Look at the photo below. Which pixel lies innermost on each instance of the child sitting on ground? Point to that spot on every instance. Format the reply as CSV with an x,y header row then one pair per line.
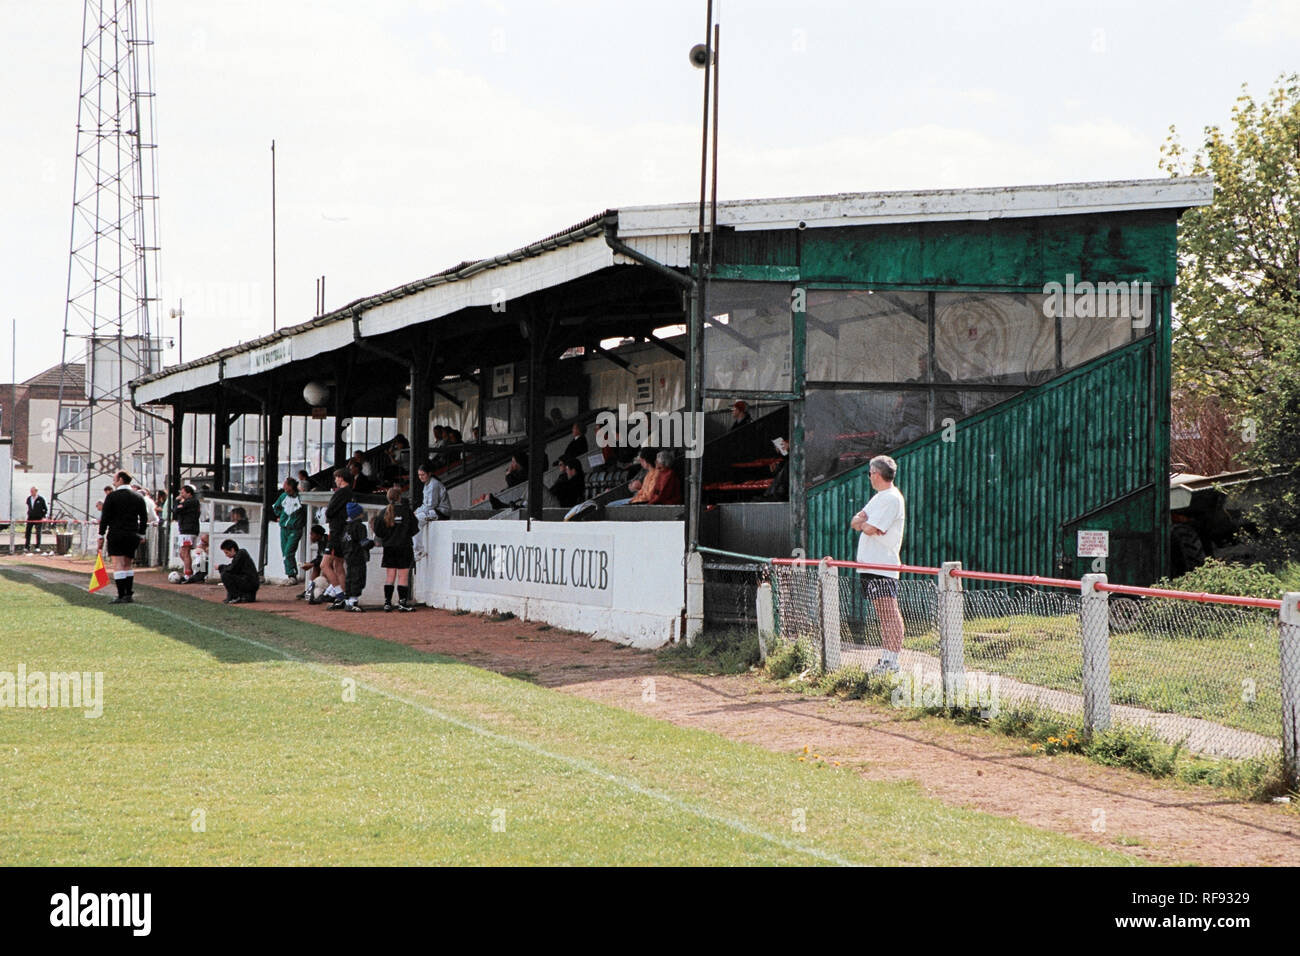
x,y
311,569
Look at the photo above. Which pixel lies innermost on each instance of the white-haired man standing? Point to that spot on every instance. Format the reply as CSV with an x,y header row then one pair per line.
x,y
881,525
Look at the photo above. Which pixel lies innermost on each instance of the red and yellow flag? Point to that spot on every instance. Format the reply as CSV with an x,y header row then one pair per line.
x,y
98,577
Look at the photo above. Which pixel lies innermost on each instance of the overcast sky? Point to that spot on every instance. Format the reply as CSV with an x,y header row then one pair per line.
x,y
413,134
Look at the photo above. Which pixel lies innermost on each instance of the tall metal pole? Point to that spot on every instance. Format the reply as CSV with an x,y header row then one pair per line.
x,y
274,300
13,435
713,202
704,148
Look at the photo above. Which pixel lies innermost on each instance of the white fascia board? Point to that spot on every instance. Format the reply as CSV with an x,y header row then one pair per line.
x,y
186,380
500,285
921,205
514,279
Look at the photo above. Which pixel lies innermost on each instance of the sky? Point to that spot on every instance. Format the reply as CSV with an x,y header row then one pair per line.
x,y
415,134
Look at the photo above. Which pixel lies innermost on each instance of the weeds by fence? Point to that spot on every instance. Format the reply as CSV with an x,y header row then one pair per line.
x,y
1216,675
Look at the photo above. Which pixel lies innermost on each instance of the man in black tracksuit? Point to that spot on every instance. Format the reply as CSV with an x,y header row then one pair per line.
x,y
239,576
123,522
355,545
336,517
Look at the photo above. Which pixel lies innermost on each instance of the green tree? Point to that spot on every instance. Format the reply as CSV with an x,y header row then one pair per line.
x,y
1236,337
1238,297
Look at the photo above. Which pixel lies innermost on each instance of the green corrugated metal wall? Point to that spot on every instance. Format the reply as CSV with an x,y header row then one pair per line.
x,y
1089,449
1002,495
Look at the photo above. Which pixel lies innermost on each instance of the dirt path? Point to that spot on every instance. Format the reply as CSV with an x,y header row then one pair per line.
x,y
1159,821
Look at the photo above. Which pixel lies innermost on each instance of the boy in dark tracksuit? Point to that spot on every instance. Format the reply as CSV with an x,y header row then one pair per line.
x,y
355,548
239,576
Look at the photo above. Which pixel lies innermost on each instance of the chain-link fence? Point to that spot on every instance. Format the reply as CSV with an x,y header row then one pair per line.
x,y
731,594
1203,673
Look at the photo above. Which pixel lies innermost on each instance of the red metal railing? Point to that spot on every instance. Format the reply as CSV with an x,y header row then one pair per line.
x,y
1203,597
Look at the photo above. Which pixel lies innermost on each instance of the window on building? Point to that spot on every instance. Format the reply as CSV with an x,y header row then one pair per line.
x,y
747,337
74,418
146,467
71,463
993,338
855,335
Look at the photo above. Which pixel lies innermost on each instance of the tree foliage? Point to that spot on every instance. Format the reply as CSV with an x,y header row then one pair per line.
x,y
1238,296
1237,305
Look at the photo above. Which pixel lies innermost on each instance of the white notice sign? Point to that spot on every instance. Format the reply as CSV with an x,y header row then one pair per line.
x,y
1094,544
271,356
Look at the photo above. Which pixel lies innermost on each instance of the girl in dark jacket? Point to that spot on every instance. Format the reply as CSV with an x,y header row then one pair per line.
x,y
395,530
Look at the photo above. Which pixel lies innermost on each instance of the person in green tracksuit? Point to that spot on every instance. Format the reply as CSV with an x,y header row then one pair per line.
x,y
292,516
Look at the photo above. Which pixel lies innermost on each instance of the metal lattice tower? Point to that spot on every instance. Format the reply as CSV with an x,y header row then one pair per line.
x,y
113,274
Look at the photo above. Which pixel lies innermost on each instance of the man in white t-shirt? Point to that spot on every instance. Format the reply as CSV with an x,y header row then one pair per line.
x,y
881,525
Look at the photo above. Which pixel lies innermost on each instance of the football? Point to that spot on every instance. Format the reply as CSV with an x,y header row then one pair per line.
x,y
174,577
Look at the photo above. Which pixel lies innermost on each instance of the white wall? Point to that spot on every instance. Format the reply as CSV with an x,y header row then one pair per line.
x,y
6,488
621,581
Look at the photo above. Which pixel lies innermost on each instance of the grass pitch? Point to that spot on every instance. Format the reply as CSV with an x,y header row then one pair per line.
x,y
235,737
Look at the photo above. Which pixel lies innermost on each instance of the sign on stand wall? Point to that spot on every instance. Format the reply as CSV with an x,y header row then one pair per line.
x,y
619,580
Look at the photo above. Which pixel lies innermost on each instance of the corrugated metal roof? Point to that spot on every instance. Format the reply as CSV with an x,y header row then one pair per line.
x,y
918,205
591,226
812,211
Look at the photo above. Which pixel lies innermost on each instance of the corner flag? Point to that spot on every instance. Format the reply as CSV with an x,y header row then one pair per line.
x,y
98,577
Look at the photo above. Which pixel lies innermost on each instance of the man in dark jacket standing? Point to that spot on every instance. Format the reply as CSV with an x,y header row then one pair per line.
x,y
187,528
36,512
239,576
355,547
336,517
123,522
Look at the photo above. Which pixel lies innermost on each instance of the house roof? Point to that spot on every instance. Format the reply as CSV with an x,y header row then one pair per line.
x,y
71,375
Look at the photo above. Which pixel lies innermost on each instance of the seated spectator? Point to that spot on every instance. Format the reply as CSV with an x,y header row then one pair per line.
x,y
399,460
646,458
571,487
667,486
650,459
312,569
304,481
362,484
740,415
517,470
239,576
577,446
780,486
240,518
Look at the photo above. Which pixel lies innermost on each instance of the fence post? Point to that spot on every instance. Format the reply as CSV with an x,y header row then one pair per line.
x,y
1094,632
952,653
1289,638
694,597
765,615
828,586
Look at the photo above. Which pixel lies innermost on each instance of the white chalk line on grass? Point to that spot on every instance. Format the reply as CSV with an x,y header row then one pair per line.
x,y
575,762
